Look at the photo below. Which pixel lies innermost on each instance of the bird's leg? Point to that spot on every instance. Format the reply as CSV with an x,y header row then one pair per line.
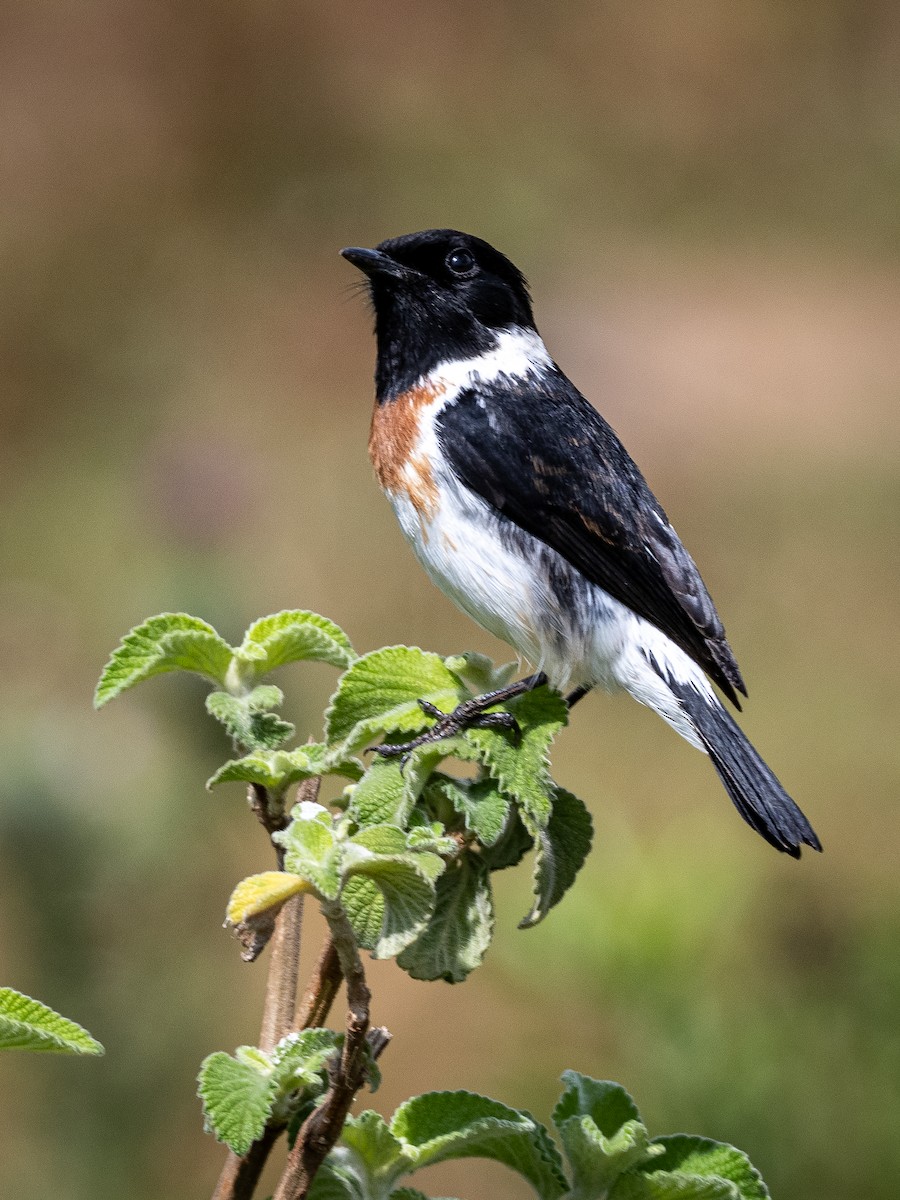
x,y
470,714
578,694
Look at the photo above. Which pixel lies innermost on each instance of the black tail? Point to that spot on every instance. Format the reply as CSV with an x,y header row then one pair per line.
x,y
754,790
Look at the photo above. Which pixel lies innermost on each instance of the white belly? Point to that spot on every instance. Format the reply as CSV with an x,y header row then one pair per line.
x,y
526,594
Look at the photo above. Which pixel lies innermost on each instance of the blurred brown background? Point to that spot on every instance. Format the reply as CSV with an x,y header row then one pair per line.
x,y
705,198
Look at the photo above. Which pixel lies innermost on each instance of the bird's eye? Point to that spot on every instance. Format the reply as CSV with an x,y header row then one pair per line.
x,y
461,261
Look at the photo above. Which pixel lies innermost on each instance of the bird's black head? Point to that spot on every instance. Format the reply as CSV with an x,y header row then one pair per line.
x,y
439,295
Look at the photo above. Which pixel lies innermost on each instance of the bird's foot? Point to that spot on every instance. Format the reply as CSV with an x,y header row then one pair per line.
x,y
468,715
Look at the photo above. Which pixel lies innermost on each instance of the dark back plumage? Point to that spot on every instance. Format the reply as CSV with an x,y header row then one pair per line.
x,y
560,472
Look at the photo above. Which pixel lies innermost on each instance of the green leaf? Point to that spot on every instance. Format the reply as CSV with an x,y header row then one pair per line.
x,y
370,1138
607,1104
311,849
389,892
389,841
693,1168
279,769
421,764
459,931
381,796
248,720
378,839
601,1132
387,907
521,768
442,1125
561,849
300,1059
372,1155
445,797
238,1094
635,1186
364,1165
334,1181
429,835
379,695
390,789
292,636
485,809
26,1024
513,844
478,672
169,642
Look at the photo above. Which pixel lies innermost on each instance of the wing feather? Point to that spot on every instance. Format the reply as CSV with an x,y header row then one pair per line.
x,y
539,453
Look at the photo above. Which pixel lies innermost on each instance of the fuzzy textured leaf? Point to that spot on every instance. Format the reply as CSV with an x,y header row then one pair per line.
x,y
238,1094
459,931
693,1168
441,1125
513,844
389,891
485,808
601,1132
379,695
277,770
479,673
607,1104
415,849
292,636
597,1119
597,1161
522,770
369,1136
429,835
168,642
675,1186
381,796
26,1024
299,1059
336,1181
561,849
387,911
259,893
247,719
311,849
390,789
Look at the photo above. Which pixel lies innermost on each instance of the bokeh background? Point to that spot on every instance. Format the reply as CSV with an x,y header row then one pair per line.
x,y
705,198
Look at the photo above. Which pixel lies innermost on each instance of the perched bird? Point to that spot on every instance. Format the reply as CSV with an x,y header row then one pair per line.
x,y
524,507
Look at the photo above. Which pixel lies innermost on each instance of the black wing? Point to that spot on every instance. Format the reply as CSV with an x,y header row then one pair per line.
x,y
537,452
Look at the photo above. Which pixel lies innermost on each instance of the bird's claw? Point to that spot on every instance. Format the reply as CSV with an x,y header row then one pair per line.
x,y
499,720
467,715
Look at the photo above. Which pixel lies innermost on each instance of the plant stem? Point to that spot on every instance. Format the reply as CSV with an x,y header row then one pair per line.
x,y
269,815
240,1173
322,1128
322,990
284,968
284,965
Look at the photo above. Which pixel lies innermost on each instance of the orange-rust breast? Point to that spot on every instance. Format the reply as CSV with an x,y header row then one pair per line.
x,y
392,440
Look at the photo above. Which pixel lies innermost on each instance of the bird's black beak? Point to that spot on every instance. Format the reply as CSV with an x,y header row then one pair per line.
x,y
374,262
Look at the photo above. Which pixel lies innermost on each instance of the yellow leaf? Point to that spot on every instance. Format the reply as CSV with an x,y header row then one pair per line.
x,y
258,893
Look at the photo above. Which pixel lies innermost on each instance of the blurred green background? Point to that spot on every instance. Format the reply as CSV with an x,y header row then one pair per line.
x,y
705,198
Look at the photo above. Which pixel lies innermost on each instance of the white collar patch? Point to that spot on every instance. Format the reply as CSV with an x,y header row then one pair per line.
x,y
517,353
